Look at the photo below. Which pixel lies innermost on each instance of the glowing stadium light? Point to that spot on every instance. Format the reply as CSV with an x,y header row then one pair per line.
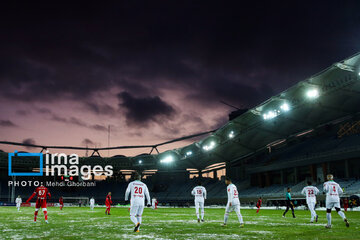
x,y
231,134
167,159
312,93
285,107
209,146
140,161
271,114
188,153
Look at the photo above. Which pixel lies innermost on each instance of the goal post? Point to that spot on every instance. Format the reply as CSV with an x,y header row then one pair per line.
x,y
76,200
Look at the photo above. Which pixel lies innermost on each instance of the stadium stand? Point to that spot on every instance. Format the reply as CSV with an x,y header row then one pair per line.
x,y
301,134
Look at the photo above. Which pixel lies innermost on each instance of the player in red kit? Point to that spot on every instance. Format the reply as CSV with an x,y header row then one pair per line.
x,y
61,202
108,203
258,204
41,192
346,204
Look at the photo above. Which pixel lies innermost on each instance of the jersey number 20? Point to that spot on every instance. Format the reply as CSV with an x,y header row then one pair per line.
x,y
138,190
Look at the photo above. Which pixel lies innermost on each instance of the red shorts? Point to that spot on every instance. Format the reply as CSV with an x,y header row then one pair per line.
x,y
40,203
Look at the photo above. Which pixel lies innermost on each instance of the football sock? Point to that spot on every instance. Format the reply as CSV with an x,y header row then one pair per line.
x,y
133,219
240,217
45,214
328,217
35,215
226,216
342,215
139,218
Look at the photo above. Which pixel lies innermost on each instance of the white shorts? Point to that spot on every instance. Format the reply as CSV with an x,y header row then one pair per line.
x,y
231,208
18,205
92,205
136,210
330,205
199,204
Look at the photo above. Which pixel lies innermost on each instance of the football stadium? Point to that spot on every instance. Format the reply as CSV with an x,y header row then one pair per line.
x,y
180,120
301,134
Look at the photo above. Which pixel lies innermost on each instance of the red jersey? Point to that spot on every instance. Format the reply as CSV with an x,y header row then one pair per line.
x,y
108,200
61,201
41,192
346,202
259,203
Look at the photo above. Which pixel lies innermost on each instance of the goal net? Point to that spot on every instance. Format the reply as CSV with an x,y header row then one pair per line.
x,y
83,201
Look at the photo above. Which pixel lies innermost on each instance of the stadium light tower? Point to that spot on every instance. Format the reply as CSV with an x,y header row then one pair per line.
x,y
188,153
312,93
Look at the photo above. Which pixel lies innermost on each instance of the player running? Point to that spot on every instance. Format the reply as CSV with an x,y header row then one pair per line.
x,y
92,203
154,203
108,203
18,202
41,192
289,203
310,192
332,191
61,202
233,203
200,195
138,191
258,204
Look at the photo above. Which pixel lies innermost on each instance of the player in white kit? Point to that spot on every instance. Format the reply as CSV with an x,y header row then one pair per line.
x,y
200,195
233,203
153,203
332,191
310,192
92,203
138,191
18,202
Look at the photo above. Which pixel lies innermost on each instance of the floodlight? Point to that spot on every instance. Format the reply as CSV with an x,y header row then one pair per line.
x,y
140,161
271,114
209,146
312,93
231,134
285,107
167,159
188,153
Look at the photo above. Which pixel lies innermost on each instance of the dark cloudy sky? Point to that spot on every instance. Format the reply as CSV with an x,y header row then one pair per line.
x,y
156,70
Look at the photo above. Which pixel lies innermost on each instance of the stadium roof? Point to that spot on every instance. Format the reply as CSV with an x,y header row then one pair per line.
x,y
327,97
324,98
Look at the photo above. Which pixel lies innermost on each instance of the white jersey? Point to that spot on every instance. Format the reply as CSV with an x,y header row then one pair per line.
x,y
138,191
332,190
153,201
92,201
310,192
18,201
200,193
233,195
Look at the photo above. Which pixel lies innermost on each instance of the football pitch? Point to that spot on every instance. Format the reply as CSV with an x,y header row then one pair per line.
x,y
171,223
